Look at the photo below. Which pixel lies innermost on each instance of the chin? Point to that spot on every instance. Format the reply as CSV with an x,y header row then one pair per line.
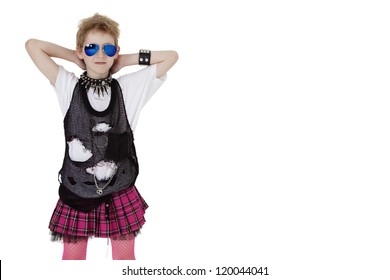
x,y
100,72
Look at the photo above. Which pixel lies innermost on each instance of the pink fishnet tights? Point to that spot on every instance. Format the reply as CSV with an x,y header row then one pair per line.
x,y
75,249
122,248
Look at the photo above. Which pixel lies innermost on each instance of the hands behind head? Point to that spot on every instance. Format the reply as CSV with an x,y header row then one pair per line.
x,y
117,65
81,64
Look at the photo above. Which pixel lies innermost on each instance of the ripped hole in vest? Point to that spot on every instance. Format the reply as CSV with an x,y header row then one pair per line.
x,y
101,127
112,181
77,151
71,180
103,170
89,183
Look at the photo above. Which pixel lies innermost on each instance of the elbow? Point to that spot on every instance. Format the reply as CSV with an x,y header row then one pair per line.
x,y
172,58
29,43
175,56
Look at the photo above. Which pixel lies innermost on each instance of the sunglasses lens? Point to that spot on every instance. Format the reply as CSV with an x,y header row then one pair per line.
x,y
109,50
91,49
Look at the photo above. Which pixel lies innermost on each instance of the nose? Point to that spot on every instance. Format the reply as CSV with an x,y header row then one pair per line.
x,y
100,53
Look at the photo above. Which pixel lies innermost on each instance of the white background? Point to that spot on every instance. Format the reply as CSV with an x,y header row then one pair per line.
x,y
268,145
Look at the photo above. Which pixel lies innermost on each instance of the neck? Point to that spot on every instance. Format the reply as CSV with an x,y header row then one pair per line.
x,y
94,75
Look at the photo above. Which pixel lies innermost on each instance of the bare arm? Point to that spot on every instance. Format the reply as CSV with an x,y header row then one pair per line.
x,y
164,60
41,53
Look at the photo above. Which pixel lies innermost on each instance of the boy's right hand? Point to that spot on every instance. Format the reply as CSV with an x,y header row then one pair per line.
x,y
80,63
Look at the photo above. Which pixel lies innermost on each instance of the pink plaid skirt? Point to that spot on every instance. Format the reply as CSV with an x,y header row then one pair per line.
x,y
122,215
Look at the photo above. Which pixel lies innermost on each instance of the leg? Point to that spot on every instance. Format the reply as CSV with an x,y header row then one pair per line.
x,y
75,248
123,247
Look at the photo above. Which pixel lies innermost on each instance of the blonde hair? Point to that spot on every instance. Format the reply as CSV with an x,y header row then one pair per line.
x,y
96,22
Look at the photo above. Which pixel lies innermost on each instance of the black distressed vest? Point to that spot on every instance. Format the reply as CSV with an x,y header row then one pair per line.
x,y
104,137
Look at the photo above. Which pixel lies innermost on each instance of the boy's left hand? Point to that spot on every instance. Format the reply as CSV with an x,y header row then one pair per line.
x,y
117,65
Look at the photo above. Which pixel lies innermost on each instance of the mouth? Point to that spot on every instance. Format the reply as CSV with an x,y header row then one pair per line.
x,y
100,63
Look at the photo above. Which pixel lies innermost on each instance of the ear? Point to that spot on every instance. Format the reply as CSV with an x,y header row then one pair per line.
x,y
79,53
117,52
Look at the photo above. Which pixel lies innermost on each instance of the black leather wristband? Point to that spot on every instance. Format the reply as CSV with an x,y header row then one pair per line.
x,y
144,57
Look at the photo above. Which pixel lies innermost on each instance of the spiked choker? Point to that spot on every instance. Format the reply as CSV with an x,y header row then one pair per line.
x,y
99,85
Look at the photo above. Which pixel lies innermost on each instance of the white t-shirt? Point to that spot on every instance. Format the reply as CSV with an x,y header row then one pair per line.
x,y
137,88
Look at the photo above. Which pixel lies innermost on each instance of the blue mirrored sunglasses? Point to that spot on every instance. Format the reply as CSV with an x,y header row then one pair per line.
x,y
92,49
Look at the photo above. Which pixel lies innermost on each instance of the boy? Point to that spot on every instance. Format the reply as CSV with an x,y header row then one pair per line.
x,y
97,193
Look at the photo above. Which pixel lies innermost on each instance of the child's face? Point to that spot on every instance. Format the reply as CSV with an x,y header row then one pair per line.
x,y
99,64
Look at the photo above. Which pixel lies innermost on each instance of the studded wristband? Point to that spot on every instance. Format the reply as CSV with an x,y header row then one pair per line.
x,y
144,57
